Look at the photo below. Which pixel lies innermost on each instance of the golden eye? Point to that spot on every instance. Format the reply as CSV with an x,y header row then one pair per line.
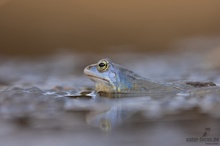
x,y
102,65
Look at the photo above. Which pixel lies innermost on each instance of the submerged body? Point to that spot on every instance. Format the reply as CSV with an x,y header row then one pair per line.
x,y
111,77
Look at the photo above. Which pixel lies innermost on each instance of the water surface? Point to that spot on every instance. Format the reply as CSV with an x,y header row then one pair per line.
x,y
49,101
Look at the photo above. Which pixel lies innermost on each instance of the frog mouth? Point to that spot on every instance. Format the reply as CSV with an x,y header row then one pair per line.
x,y
92,77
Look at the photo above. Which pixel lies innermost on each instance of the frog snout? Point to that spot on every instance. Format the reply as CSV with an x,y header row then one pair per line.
x,y
87,69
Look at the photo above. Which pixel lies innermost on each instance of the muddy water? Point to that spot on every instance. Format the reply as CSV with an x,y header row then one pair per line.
x,y
49,101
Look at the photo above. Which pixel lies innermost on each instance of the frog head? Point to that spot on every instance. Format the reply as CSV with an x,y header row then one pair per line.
x,y
109,76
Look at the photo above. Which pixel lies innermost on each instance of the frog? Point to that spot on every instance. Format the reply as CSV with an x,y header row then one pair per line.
x,y
111,77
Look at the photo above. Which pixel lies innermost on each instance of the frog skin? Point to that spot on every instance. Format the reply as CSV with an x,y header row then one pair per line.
x,y
111,77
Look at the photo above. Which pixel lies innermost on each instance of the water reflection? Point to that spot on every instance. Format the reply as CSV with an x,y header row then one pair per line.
x,y
104,112
107,113
108,118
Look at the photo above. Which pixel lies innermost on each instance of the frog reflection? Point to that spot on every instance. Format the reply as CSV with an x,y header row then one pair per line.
x,y
109,118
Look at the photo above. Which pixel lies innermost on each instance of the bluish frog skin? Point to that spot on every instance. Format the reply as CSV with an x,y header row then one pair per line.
x,y
111,77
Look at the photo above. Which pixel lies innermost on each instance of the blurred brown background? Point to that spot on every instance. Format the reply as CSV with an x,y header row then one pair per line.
x,y
36,27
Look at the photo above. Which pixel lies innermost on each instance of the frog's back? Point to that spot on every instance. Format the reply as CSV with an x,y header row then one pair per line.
x,y
146,86
131,82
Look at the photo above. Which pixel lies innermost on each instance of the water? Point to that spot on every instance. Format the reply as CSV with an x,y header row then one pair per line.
x,y
50,102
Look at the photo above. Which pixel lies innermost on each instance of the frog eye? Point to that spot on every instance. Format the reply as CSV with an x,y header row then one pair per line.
x,y
102,66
